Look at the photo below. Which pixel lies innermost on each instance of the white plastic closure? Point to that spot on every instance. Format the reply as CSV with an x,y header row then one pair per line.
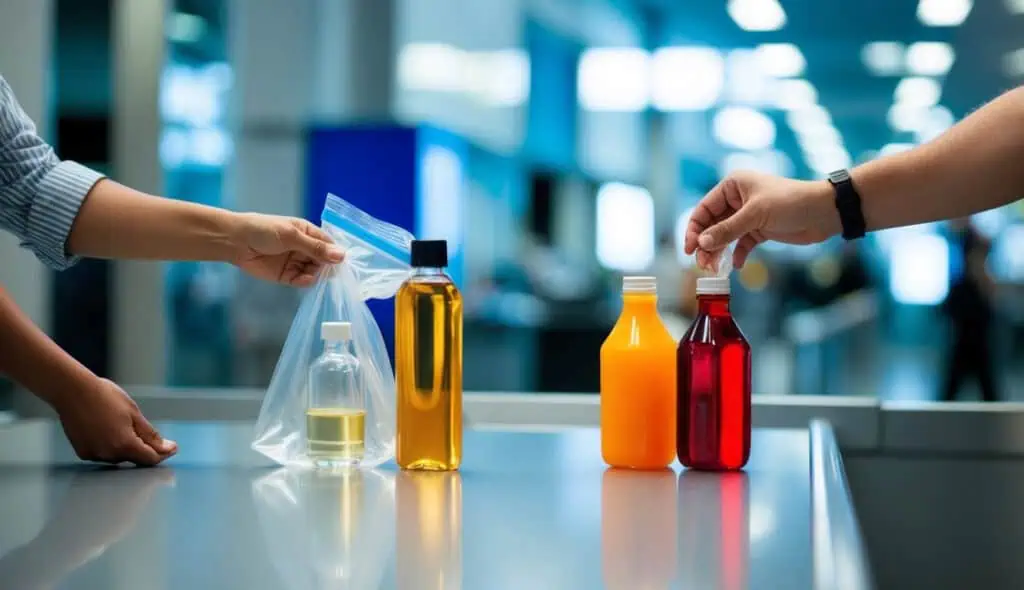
x,y
717,285
639,285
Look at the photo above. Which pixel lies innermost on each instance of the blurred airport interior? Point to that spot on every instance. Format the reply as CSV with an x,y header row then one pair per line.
x,y
557,145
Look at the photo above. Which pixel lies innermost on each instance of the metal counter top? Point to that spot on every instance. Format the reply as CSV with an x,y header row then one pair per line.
x,y
528,510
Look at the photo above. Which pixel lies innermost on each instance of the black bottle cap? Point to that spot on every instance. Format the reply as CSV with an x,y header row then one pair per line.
x,y
429,253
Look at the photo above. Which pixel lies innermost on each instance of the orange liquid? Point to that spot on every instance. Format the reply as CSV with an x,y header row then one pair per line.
x,y
638,388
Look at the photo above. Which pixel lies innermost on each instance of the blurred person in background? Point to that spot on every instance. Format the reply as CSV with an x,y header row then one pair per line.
x,y
61,210
970,310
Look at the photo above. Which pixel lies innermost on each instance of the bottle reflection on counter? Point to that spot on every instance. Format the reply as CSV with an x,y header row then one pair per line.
x,y
638,529
429,530
336,499
714,529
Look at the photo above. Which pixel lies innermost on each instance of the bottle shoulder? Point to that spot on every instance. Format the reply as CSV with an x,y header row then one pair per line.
x,y
332,361
639,331
718,330
414,287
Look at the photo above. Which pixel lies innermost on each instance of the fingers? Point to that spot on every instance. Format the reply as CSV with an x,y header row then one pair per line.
x,y
140,453
151,437
730,229
744,247
313,242
710,207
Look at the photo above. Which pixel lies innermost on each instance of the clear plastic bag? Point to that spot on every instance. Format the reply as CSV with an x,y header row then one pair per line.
x,y
376,264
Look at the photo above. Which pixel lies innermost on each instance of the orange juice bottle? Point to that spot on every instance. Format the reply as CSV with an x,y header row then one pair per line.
x,y
638,383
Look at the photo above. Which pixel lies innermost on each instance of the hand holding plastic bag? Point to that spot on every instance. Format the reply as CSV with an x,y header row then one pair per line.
x,y
375,265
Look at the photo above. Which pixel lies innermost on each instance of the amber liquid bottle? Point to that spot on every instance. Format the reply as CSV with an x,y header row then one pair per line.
x,y
428,363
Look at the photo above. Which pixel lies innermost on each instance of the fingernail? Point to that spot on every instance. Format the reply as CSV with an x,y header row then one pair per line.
x,y
169,445
334,254
705,241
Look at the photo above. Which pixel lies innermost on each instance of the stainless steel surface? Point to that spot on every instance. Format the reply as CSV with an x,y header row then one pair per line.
x,y
529,510
839,554
978,428
855,419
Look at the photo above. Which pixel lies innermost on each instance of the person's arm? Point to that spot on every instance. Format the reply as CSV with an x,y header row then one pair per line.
x,y
30,358
39,195
118,222
100,420
975,166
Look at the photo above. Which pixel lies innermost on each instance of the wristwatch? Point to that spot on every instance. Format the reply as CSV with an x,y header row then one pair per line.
x,y
848,203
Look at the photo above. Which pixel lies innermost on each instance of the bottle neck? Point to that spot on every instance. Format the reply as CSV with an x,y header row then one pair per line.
x,y
713,305
639,302
336,346
428,271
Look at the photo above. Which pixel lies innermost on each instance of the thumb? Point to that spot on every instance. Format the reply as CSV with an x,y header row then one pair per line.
x,y
729,230
151,437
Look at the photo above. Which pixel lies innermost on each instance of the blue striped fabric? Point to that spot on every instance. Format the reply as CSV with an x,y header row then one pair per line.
x,y
39,195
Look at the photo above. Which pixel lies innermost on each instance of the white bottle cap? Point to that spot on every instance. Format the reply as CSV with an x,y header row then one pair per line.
x,y
713,286
639,285
336,331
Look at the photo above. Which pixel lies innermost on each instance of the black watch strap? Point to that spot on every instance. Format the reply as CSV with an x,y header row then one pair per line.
x,y
851,216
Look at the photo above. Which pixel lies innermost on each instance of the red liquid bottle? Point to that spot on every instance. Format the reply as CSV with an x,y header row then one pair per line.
x,y
713,374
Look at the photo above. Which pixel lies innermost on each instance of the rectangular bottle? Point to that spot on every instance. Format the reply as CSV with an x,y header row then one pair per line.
x,y
713,385
428,363
638,383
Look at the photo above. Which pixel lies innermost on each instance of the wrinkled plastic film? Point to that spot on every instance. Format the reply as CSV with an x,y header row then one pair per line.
x,y
375,266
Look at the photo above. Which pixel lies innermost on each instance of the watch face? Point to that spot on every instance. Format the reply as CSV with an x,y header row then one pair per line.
x,y
839,176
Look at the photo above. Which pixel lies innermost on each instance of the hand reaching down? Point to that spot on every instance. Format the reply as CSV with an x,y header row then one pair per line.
x,y
104,424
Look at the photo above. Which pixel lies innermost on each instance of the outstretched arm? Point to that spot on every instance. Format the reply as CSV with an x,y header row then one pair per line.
x,y
975,166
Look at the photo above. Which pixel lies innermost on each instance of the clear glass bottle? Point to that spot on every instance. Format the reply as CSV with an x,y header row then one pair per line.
x,y
428,363
336,412
713,430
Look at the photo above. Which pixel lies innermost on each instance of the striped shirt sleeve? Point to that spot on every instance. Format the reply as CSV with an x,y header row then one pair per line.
x,y
39,195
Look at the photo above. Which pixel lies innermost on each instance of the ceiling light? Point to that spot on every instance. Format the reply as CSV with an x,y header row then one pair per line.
x,y
794,94
1015,6
613,79
895,148
743,128
431,67
933,123
883,58
771,162
928,58
781,60
686,78
815,137
625,227
183,27
824,161
1013,63
812,117
906,117
757,15
745,81
918,92
943,13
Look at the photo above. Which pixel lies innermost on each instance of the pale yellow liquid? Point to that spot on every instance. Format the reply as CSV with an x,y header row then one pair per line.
x,y
428,373
336,434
